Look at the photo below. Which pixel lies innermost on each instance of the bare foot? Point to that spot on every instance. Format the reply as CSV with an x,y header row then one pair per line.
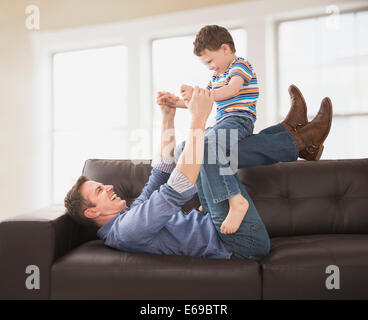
x,y
238,208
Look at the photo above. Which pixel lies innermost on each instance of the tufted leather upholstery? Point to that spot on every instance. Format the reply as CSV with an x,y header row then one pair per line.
x,y
315,212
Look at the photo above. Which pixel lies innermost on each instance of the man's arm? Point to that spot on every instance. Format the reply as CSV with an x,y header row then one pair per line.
x,y
164,164
191,159
140,224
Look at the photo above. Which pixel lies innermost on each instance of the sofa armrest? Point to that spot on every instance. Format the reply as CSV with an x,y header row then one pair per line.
x,y
37,239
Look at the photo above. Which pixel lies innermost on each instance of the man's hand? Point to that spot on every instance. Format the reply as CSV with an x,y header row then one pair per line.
x,y
166,101
200,105
186,92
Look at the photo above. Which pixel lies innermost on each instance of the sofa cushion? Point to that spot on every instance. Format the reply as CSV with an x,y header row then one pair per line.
x,y
296,267
94,271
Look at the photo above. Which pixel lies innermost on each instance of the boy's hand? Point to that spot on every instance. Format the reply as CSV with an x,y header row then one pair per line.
x,y
166,98
186,92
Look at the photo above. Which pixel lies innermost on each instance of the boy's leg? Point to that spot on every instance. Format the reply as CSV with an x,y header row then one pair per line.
x,y
224,138
251,240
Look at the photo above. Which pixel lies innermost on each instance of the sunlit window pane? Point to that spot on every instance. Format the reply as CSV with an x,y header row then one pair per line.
x,y
326,57
90,111
174,63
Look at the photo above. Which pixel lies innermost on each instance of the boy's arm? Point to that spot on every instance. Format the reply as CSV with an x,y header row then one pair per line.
x,y
170,100
230,90
181,104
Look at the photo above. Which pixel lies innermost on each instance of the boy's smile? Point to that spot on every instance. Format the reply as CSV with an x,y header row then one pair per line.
x,y
218,60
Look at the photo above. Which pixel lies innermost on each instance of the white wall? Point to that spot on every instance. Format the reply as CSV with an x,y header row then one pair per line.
x,y
25,90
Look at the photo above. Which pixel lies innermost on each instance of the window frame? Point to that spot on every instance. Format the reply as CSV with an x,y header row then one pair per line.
x,y
277,58
55,131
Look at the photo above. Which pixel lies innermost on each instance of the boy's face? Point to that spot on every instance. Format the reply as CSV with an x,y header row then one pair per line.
x,y
218,60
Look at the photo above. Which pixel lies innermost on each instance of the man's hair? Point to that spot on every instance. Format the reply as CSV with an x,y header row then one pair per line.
x,y
211,38
75,204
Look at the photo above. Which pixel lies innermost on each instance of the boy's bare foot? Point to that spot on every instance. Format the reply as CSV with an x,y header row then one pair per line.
x,y
238,208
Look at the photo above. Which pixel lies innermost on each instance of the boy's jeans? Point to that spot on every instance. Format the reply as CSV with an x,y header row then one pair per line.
x,y
270,146
251,240
221,155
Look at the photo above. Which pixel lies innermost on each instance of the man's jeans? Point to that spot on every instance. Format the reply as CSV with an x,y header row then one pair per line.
x,y
270,146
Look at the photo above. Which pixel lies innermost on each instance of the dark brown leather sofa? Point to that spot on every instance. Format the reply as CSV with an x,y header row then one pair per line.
x,y
316,214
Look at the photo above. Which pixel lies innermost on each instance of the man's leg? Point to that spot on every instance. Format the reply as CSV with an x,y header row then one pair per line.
x,y
273,129
266,148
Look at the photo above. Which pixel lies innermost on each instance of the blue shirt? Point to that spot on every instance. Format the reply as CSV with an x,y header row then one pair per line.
x,y
155,223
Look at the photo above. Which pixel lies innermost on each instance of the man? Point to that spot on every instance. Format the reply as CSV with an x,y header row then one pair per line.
x,y
154,223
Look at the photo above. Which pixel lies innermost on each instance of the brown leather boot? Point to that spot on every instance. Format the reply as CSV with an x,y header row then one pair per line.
x,y
297,116
310,138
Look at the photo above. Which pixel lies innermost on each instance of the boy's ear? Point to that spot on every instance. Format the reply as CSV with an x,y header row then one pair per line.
x,y
226,48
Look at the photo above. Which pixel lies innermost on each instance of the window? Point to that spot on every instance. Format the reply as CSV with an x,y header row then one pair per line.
x,y
90,111
329,59
174,63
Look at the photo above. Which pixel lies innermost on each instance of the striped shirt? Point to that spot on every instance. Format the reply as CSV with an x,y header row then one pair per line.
x,y
244,102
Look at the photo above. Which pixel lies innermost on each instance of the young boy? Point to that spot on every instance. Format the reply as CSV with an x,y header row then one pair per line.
x,y
236,92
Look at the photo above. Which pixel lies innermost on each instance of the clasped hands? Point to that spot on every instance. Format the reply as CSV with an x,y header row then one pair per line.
x,y
170,100
193,98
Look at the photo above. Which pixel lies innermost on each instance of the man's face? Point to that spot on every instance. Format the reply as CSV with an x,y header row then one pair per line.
x,y
106,202
218,60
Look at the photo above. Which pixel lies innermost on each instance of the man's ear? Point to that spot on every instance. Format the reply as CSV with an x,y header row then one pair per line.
x,y
91,213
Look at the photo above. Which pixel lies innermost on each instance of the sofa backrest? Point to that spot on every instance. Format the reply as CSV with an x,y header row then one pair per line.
x,y
295,198
318,197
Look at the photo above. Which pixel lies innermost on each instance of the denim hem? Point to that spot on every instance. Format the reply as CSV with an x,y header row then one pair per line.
x,y
294,143
225,197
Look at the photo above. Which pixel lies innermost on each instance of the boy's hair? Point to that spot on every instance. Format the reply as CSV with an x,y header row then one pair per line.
x,y
211,38
75,204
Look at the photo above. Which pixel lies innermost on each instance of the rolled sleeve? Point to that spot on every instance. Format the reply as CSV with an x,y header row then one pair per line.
x,y
164,165
179,182
242,69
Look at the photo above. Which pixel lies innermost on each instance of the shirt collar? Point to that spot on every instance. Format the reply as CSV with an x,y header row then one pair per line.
x,y
103,231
